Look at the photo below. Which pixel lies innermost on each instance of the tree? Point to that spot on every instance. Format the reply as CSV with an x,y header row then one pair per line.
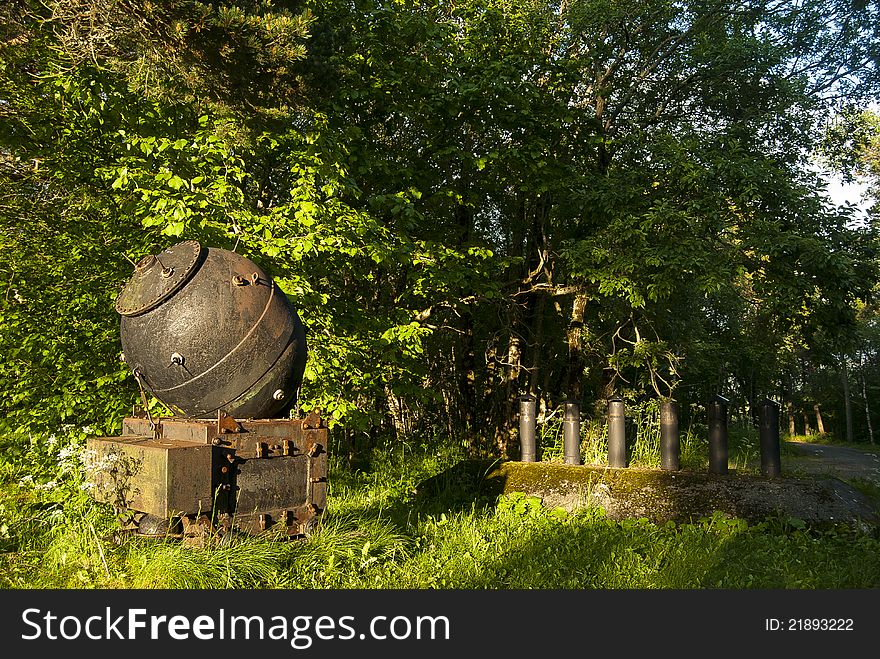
x,y
466,201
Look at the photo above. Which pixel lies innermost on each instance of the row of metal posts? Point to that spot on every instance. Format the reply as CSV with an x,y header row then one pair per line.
x,y
669,442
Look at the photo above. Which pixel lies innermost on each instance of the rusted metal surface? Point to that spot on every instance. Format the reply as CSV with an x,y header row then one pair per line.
x,y
769,438
527,424
267,475
718,451
670,446
313,420
159,527
211,335
226,423
571,437
271,485
616,433
155,476
223,337
157,278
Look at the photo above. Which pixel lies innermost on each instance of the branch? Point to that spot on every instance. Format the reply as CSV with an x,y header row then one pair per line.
x,y
549,289
424,314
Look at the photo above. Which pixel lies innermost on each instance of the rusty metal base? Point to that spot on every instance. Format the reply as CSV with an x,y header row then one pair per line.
x,y
217,475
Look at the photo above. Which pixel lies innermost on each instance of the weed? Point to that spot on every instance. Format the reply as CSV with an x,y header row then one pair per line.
x,y
423,519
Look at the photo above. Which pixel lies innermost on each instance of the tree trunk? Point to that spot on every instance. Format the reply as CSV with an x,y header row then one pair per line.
x,y
539,266
536,362
396,412
508,427
792,431
865,398
490,417
754,406
807,430
537,344
847,402
467,367
348,444
467,376
819,425
575,348
449,406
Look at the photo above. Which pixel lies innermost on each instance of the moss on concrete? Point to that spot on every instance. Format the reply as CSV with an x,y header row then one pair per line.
x,y
684,496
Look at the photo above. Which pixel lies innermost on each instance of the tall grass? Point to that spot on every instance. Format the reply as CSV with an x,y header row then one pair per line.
x,y
419,519
643,441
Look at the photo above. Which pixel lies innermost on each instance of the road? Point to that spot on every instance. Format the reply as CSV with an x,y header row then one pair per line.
x,y
841,461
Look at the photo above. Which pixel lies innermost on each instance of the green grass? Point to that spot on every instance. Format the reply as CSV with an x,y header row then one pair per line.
x,y
389,526
643,443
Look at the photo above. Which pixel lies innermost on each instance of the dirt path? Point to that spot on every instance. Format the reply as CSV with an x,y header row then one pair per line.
x,y
840,461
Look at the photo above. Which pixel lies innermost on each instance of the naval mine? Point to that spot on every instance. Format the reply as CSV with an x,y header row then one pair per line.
x,y
212,336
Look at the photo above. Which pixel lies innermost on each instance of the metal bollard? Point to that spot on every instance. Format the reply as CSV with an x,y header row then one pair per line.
x,y
527,427
717,412
616,433
670,449
572,432
770,461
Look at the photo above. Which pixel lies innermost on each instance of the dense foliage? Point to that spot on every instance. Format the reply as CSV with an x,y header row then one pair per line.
x,y
465,201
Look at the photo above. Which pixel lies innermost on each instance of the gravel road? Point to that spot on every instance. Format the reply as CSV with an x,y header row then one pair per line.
x,y
840,461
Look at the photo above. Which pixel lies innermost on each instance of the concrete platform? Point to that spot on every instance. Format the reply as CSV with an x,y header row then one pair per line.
x,y
684,496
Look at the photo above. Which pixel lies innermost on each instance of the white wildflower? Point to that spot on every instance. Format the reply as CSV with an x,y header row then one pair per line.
x,y
93,462
88,456
67,453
